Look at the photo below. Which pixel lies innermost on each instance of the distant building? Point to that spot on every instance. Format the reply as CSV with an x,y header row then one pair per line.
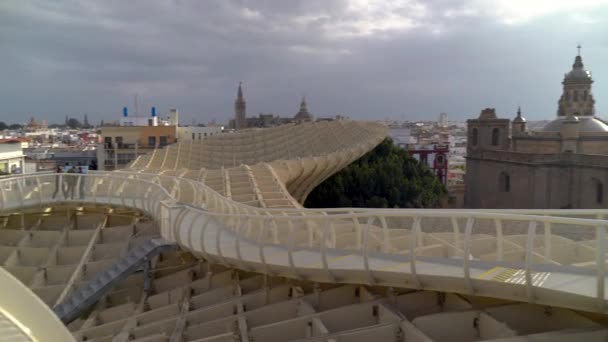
x,y
11,156
435,156
443,120
32,125
562,165
303,115
138,135
240,110
196,133
122,144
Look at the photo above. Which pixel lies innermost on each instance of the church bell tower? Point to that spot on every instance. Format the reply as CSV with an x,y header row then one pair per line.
x,y
577,99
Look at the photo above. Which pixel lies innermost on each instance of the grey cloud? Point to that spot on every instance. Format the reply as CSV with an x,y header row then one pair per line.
x,y
73,57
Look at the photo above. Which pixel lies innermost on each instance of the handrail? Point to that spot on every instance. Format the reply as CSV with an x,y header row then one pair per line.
x,y
209,214
203,186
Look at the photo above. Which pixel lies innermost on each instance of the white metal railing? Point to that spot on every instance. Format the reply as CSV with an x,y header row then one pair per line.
x,y
382,245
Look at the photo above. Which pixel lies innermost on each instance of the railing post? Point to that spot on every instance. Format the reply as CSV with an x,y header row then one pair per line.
x,y
547,239
218,244
386,245
261,244
290,247
237,242
39,186
365,249
77,189
357,230
109,193
165,220
323,247
456,232
178,223
600,262
499,239
528,260
3,196
311,233
95,187
467,253
413,241
20,188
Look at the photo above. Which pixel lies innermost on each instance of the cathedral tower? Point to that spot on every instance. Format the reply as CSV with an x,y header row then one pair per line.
x,y
303,114
240,110
577,98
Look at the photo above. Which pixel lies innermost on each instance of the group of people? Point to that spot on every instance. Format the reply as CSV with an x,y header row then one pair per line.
x,y
69,179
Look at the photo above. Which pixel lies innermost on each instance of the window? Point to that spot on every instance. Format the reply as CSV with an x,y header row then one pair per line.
x,y
199,136
205,134
440,159
474,136
107,141
495,136
163,140
585,94
151,141
423,159
193,136
118,142
504,182
575,95
599,191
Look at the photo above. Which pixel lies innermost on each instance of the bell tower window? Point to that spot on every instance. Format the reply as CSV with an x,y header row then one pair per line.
x,y
504,182
474,137
599,191
495,136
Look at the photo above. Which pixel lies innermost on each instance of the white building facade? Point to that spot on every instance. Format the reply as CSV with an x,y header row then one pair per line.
x,y
11,156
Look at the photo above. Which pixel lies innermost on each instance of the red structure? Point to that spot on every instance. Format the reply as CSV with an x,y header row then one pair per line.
x,y
435,156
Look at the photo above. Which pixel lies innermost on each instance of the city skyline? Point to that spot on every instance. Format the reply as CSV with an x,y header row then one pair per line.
x,y
364,59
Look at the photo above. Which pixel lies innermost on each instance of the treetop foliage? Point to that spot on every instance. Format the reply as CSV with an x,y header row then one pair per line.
x,y
386,177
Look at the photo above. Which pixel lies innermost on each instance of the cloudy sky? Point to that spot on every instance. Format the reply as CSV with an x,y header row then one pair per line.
x,y
368,59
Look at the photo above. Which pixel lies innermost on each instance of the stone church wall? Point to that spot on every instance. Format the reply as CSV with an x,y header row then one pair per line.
x,y
536,181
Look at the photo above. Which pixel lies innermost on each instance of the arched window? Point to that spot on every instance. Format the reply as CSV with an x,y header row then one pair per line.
x,y
504,182
585,94
474,136
567,96
599,191
495,136
575,95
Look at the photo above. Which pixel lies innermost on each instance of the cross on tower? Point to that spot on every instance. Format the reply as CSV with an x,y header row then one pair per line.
x,y
579,49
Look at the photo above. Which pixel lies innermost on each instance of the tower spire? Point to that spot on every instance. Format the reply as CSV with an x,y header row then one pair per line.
x,y
578,47
519,111
240,109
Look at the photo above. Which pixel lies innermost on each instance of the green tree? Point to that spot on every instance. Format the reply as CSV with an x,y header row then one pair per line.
x,y
3,126
386,177
15,126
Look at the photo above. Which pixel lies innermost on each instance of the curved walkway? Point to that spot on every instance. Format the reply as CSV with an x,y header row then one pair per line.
x,y
420,249
245,216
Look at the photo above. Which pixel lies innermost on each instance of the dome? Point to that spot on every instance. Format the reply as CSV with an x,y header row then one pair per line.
x,y
578,71
586,124
519,118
